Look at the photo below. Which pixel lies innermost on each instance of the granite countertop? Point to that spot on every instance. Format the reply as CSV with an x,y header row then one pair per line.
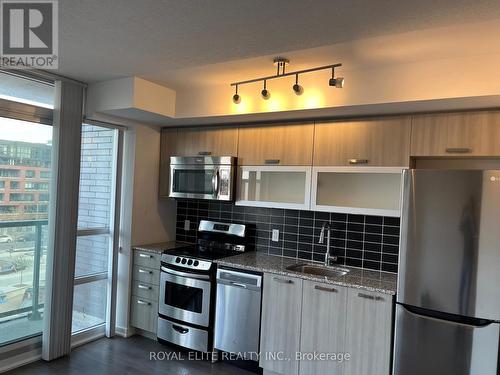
x,y
374,281
161,246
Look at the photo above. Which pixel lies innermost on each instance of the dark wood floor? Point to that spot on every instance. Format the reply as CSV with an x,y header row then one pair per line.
x,y
125,356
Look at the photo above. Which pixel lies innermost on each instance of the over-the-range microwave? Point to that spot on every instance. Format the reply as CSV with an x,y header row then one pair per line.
x,y
202,177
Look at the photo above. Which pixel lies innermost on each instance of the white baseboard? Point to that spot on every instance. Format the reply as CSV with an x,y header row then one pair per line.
x,y
84,337
124,332
20,360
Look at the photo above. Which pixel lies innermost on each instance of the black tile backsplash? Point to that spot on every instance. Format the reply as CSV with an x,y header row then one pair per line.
x,y
357,240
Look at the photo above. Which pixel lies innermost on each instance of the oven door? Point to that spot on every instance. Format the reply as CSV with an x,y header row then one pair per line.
x,y
185,296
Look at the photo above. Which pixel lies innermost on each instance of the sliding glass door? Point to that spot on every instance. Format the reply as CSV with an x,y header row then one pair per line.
x,y
96,242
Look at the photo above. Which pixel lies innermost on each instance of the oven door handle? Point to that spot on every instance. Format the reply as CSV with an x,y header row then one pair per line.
x,y
185,274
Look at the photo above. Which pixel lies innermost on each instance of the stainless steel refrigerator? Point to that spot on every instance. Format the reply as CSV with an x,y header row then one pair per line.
x,y
448,300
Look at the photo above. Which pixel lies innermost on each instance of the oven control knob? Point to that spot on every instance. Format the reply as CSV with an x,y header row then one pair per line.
x,y
190,261
183,261
177,260
195,263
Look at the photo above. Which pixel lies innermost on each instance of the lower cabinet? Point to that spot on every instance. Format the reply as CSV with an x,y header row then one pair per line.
x,y
145,290
280,326
350,328
323,327
368,333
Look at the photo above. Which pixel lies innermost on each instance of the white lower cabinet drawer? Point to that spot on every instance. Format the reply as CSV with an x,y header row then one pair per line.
x,y
146,275
144,314
147,259
145,290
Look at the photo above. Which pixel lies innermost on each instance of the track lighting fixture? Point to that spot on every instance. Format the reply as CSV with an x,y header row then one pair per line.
x,y
336,82
298,89
281,63
265,92
236,97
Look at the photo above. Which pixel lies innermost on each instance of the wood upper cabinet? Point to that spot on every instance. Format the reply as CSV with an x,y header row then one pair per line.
x,y
280,323
372,142
206,141
168,145
287,144
456,134
324,315
368,333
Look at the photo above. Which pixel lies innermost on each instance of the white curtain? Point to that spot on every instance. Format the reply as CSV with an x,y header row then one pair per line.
x,y
68,108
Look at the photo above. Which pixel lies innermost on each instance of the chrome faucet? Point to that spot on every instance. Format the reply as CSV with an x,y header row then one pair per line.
x,y
328,257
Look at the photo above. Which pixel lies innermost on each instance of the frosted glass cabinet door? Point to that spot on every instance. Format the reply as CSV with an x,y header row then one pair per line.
x,y
370,191
274,186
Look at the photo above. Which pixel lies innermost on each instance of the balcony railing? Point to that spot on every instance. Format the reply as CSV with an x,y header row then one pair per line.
x,y
24,243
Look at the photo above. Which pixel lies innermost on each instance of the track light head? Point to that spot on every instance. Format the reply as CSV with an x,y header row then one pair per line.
x,y
337,82
265,92
236,97
298,89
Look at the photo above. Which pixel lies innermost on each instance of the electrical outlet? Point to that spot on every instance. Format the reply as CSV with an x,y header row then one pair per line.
x,y
187,224
276,235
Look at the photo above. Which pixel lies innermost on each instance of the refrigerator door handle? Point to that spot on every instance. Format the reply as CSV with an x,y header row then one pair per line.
x,y
447,318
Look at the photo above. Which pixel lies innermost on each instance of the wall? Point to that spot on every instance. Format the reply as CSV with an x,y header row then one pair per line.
x,y
370,242
452,62
152,219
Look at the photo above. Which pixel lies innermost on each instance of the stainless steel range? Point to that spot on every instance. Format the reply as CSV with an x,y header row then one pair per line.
x,y
187,285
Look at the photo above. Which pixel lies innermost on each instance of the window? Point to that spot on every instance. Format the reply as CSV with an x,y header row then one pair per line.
x,y
1,196
29,174
9,172
36,186
22,197
44,174
95,242
43,197
24,228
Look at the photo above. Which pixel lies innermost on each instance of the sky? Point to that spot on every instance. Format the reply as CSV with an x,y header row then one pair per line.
x,y
15,130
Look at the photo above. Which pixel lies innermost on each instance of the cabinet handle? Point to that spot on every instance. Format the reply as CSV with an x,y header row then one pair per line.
x,y
145,271
325,289
205,153
272,161
358,161
458,150
368,296
284,281
141,255
141,302
140,286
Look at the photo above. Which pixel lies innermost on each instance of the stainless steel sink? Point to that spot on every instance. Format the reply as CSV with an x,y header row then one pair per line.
x,y
318,270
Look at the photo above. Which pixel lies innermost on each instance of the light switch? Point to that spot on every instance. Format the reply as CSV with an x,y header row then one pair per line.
x,y
187,224
276,235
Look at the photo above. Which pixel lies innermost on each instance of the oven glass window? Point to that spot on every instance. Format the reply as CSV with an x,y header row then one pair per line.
x,y
183,297
193,181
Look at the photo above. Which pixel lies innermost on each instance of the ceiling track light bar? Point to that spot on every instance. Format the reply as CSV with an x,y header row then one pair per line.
x,y
283,74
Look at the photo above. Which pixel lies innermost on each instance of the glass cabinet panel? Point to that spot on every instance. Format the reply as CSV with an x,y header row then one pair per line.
x,y
364,191
274,186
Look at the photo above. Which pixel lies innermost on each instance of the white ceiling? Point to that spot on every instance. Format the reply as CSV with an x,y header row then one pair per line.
x,y
157,40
